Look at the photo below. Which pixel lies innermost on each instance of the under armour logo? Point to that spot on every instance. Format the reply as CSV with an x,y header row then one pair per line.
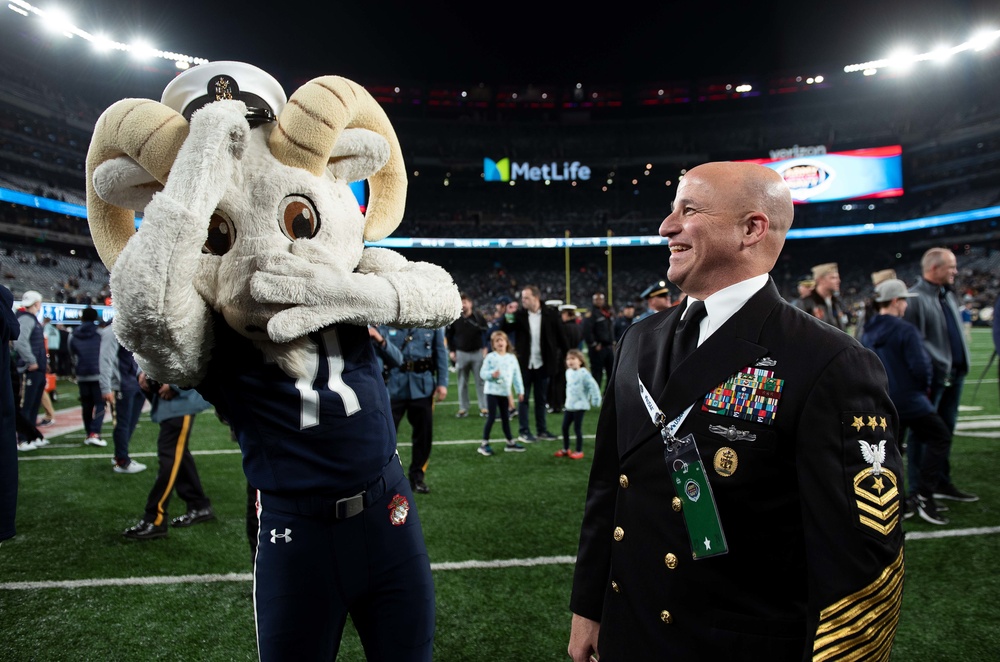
x,y
287,535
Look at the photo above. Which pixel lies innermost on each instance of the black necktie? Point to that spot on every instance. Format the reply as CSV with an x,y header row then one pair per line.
x,y
686,336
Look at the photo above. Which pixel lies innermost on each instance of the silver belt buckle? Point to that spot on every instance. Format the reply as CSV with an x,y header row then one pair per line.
x,y
350,506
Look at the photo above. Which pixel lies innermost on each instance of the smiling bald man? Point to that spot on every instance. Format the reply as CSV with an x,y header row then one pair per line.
x,y
743,501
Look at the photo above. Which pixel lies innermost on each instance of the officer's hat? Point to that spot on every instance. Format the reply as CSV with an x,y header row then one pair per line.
x,y
216,81
657,289
806,281
821,270
883,275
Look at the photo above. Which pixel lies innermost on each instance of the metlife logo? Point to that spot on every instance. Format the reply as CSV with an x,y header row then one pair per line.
x,y
505,171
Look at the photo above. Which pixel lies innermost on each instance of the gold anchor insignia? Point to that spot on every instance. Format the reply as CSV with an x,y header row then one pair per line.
x,y
872,423
223,89
882,423
726,461
858,423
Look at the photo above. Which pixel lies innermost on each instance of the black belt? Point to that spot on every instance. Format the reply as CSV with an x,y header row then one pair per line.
x,y
419,365
339,508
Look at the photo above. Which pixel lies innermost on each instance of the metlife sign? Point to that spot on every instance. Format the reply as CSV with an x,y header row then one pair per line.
x,y
505,171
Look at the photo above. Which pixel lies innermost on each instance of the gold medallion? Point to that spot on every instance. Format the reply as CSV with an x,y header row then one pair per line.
x,y
725,461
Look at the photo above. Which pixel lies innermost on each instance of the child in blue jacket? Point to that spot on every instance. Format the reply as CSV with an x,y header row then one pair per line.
x,y
500,373
582,393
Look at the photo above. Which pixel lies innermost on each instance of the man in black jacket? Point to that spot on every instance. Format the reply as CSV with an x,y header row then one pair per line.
x,y
744,499
467,345
540,344
599,332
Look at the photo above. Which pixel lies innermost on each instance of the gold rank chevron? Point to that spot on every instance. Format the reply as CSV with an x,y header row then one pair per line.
x,y
862,625
878,506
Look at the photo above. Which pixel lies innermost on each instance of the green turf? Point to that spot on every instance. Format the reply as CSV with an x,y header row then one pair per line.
x,y
510,506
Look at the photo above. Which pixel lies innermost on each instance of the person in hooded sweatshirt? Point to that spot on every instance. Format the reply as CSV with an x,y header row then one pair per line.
x,y
899,346
85,350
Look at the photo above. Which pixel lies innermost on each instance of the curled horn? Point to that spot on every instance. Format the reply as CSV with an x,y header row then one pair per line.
x,y
309,126
148,132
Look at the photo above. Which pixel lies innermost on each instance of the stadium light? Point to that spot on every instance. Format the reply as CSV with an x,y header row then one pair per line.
x,y
984,39
941,53
903,59
142,50
57,21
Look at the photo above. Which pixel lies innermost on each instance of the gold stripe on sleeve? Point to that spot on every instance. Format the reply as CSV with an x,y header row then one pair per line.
x,y
862,626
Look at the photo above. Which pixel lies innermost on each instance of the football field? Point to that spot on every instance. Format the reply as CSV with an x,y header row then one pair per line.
x,y
501,531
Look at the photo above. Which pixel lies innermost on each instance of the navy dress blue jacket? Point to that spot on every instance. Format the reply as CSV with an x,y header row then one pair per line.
x,y
9,330
898,344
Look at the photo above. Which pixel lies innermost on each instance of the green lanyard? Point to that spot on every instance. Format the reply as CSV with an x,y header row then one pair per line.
x,y
687,472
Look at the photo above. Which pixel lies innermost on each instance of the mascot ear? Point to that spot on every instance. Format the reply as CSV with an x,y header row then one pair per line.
x,y
358,154
124,183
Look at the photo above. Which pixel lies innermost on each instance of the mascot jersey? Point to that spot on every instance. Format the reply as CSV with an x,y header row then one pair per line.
x,y
327,434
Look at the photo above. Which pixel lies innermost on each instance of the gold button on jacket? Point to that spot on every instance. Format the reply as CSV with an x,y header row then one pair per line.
x,y
619,533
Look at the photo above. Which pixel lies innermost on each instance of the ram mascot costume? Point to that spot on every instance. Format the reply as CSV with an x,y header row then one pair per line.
x,y
249,279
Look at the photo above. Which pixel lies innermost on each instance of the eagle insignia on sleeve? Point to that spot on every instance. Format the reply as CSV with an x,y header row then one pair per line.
x,y
875,486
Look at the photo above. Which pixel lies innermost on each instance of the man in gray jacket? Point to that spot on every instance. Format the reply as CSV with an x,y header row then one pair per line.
x,y
935,314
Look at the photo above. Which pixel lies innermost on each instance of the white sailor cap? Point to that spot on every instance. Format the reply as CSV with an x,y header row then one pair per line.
x,y
215,81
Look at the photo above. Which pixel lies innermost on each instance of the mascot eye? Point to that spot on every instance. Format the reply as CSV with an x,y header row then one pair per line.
x,y
298,217
221,234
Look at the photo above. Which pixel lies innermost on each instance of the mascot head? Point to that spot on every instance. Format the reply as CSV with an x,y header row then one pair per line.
x,y
291,183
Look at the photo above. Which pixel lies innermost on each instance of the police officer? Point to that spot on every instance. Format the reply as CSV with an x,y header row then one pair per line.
x,y
657,298
413,383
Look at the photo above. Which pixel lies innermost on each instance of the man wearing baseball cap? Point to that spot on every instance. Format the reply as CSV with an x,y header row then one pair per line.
x,y
901,349
31,363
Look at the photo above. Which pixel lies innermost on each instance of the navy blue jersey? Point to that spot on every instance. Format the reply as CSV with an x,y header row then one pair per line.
x,y
329,434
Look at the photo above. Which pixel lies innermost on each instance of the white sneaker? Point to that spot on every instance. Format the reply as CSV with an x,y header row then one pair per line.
x,y
26,446
40,442
94,440
133,467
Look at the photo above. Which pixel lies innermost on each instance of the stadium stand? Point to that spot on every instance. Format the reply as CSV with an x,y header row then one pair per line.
x,y
948,126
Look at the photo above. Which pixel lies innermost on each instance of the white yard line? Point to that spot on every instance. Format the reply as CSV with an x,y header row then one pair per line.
x,y
246,577
437,567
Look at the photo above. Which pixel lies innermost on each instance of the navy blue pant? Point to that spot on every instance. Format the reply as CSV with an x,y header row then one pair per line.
x,y
574,417
128,408
537,380
32,387
91,406
313,569
946,399
176,471
420,413
497,407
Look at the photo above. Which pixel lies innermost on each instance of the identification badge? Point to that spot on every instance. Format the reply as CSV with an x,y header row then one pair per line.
x,y
701,516
687,472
